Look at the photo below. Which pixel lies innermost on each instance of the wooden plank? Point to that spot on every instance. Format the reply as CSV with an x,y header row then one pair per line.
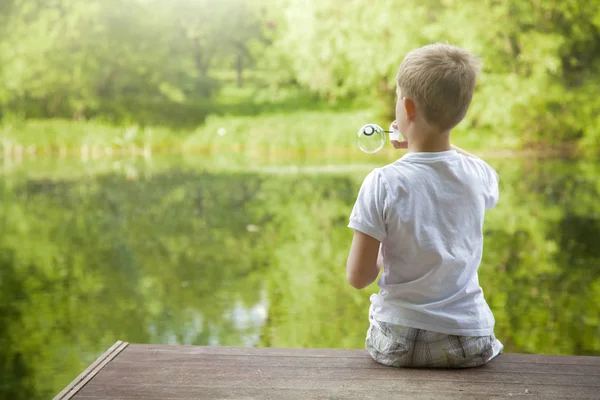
x,y
499,365
333,353
161,349
138,374
551,359
152,391
185,372
308,394
91,371
311,394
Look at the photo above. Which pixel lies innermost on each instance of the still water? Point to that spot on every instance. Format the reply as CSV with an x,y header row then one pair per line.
x,y
174,252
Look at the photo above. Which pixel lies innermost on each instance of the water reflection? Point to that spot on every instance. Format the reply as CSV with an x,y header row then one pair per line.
x,y
175,253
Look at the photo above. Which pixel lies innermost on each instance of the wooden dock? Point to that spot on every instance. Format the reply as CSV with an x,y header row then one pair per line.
x,y
135,371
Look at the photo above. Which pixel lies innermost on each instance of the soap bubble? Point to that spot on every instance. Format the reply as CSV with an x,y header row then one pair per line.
x,y
371,138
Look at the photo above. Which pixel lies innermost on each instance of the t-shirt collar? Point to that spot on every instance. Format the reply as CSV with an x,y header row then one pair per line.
x,y
430,156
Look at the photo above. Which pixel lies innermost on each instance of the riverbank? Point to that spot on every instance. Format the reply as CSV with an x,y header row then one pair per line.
x,y
299,132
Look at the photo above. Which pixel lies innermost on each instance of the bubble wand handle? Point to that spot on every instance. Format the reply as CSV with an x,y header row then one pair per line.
x,y
394,133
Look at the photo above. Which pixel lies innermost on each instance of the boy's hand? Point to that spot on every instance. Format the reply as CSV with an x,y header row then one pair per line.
x,y
398,144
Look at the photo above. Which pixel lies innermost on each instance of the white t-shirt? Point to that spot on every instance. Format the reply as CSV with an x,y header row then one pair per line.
x,y
427,210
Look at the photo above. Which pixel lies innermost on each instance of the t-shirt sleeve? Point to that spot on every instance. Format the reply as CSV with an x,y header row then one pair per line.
x,y
492,192
368,214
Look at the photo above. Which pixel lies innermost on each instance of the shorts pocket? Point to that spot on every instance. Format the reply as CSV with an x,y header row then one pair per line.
x,y
385,347
468,351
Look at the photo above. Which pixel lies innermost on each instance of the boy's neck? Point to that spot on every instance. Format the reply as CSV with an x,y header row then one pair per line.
x,y
430,143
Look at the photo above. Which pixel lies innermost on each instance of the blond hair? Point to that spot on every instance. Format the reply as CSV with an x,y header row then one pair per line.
x,y
440,78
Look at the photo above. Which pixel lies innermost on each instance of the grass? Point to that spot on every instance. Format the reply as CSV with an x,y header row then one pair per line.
x,y
304,132
295,131
49,136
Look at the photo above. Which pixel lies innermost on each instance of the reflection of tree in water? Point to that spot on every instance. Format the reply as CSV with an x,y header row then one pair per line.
x,y
195,257
310,303
550,257
14,369
578,238
160,260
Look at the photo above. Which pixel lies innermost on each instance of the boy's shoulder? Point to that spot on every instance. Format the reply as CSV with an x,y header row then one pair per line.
x,y
392,175
389,171
486,170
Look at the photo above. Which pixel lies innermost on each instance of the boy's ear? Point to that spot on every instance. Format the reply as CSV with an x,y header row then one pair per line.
x,y
410,107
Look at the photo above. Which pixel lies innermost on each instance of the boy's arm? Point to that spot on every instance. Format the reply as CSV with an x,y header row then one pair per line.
x,y
363,263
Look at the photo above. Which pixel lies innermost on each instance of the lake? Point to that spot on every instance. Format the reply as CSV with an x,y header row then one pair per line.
x,y
208,253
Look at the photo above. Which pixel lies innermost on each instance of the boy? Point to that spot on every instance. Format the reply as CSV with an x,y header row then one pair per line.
x,y
421,219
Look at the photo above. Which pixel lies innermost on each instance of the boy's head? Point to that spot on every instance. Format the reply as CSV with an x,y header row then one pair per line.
x,y
440,80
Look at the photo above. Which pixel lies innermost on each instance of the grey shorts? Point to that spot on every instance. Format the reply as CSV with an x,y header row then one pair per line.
x,y
401,346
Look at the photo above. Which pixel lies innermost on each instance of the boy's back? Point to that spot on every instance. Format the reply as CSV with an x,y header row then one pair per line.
x,y
427,209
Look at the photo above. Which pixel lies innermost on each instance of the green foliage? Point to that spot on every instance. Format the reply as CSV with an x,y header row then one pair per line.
x,y
146,62
153,62
541,59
